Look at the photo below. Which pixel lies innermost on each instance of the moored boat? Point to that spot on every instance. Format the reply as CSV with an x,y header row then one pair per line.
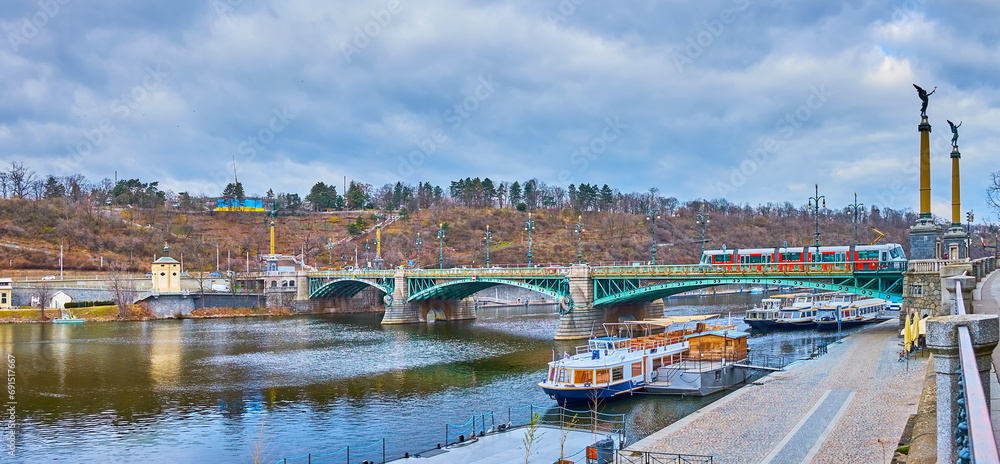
x,y
624,361
845,311
709,367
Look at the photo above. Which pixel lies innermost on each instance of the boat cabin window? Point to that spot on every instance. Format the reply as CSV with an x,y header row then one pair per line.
x,y
564,375
583,376
636,369
657,362
602,376
617,374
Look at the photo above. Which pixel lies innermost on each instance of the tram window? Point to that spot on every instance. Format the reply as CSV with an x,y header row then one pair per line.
x,y
602,376
617,374
583,376
636,369
787,257
829,257
894,252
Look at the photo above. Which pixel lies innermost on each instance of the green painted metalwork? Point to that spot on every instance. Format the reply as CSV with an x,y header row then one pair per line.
x,y
655,291
463,288
608,287
346,287
418,285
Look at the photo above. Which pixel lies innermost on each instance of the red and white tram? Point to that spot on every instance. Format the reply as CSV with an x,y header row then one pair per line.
x,y
857,258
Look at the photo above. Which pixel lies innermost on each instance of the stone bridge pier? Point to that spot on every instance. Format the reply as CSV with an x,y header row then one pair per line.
x,y
586,320
401,311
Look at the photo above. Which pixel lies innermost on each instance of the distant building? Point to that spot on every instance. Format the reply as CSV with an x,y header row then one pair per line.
x,y
223,204
59,300
166,275
5,302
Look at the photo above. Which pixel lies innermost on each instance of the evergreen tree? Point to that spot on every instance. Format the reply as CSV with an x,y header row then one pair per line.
x,y
515,193
53,189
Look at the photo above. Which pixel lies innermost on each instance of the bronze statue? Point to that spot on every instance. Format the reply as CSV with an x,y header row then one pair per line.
x,y
923,98
954,133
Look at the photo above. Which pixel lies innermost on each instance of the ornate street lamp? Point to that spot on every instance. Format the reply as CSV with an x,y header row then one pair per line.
x,y
702,220
441,246
651,216
857,212
487,236
814,204
529,226
418,250
579,239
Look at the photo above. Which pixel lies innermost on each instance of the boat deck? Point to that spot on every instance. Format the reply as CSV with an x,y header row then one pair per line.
x,y
508,446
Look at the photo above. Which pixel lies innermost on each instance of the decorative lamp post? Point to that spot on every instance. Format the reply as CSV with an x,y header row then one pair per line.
x,y
487,236
579,239
529,226
857,211
418,250
329,249
651,216
814,204
703,221
367,261
441,246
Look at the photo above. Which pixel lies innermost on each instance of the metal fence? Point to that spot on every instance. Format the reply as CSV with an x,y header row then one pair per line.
x,y
373,453
650,457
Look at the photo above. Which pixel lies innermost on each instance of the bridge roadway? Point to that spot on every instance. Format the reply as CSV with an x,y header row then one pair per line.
x,y
587,296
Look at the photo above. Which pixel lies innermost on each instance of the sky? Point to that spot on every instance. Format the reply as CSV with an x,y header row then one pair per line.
x,y
746,100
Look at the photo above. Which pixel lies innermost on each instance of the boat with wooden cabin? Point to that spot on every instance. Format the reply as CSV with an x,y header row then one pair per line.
x,y
710,365
852,312
625,360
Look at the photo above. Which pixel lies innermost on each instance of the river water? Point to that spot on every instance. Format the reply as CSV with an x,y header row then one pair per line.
x,y
219,390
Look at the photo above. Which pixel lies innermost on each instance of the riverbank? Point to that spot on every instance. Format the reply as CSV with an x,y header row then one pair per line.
x,y
850,405
135,313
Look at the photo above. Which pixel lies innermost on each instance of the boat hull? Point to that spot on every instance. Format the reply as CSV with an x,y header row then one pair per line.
x,y
759,324
797,325
588,394
832,325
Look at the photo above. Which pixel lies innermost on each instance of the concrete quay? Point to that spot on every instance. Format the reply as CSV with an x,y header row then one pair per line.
x,y
850,405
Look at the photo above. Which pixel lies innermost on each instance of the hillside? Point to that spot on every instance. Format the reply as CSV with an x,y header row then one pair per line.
x,y
31,232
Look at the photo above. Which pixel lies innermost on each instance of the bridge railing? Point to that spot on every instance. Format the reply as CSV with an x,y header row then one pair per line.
x,y
961,343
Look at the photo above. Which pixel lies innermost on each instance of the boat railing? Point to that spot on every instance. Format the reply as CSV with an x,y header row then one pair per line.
x,y
587,420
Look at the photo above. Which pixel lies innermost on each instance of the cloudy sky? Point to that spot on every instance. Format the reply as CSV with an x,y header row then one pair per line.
x,y
748,100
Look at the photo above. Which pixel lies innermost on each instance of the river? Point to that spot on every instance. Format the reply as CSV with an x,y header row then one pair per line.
x,y
218,390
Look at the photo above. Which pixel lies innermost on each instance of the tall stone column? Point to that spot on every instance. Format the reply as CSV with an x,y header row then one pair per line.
x,y
956,240
397,309
942,339
584,319
924,235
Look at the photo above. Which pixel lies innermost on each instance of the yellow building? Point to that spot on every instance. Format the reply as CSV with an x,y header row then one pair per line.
x,y
5,301
166,275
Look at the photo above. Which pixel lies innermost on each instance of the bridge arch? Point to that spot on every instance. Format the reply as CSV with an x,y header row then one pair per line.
x,y
662,290
346,288
464,288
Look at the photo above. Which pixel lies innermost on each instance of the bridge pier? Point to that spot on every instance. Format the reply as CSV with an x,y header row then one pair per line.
x,y
398,310
454,310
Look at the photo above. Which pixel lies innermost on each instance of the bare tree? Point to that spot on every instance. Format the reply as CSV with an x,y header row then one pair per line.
x,y
993,192
43,292
123,291
20,178
4,183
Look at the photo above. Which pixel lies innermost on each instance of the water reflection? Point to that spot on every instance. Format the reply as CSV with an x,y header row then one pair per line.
x,y
195,390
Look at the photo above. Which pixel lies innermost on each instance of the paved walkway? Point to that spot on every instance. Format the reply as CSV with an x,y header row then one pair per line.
x,y
850,405
990,291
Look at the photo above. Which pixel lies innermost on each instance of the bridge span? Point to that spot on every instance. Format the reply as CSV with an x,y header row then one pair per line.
x,y
587,296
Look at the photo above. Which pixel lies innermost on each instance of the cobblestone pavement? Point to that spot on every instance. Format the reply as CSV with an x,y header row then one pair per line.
x,y
848,406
